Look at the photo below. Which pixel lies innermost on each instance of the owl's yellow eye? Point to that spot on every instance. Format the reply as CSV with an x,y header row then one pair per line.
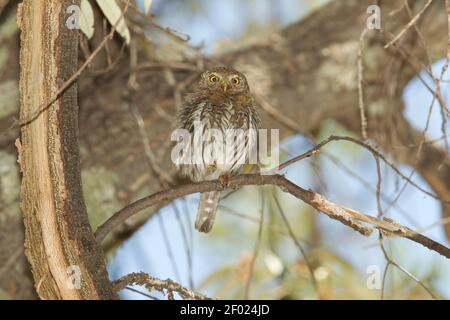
x,y
213,78
235,81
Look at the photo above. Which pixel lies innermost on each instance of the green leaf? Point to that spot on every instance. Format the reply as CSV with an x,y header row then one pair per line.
x,y
113,13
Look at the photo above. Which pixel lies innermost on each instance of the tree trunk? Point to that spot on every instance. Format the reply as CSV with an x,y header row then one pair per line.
x,y
65,259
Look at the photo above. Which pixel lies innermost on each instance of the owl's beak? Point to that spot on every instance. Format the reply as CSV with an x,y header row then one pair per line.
x,y
225,85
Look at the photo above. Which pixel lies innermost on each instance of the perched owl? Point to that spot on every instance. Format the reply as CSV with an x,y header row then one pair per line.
x,y
219,111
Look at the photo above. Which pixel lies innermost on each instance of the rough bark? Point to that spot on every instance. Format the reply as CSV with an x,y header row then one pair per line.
x,y
58,236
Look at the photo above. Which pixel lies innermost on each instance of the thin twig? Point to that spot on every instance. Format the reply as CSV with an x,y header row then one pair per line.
x,y
402,269
278,116
9,263
436,96
438,81
141,293
332,138
383,284
186,242
75,76
298,245
175,34
368,185
162,228
362,111
163,180
409,25
268,225
378,191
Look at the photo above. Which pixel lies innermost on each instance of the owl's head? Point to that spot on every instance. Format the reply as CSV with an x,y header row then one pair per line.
x,y
224,80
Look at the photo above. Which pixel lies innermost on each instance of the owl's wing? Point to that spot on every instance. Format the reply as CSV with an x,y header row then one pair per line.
x,y
246,119
186,112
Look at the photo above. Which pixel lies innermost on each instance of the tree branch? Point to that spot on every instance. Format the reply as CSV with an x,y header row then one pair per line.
x,y
360,222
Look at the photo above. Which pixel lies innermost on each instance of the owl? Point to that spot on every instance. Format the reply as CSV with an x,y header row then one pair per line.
x,y
221,117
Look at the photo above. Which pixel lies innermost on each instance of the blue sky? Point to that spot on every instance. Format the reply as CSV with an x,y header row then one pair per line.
x,y
146,250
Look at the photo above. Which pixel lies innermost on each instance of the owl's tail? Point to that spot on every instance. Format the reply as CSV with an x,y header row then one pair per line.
x,y
207,208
